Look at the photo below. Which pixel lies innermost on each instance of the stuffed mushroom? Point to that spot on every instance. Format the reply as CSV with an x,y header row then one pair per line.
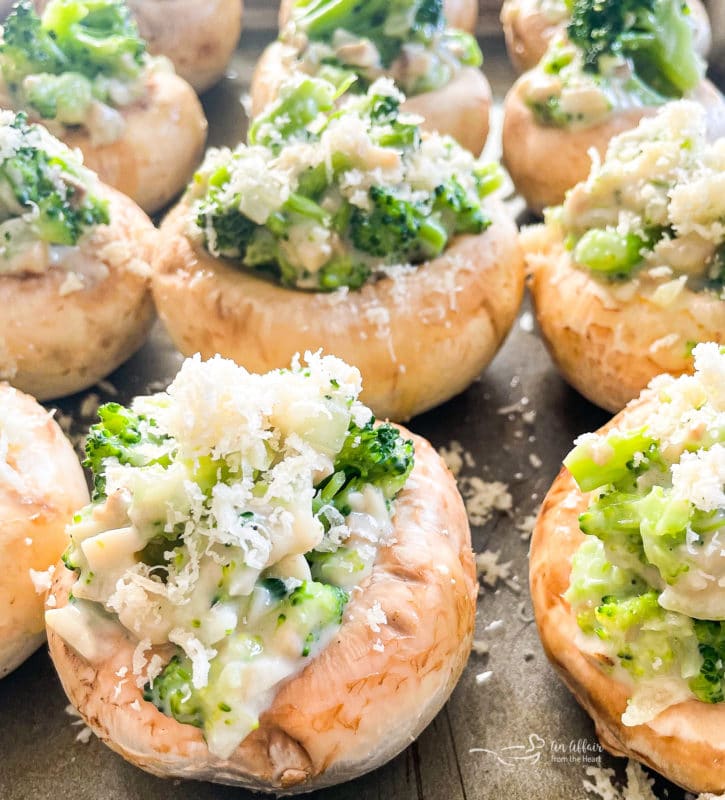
x,y
436,66
83,70
630,272
75,255
41,485
344,228
269,589
530,25
627,576
619,63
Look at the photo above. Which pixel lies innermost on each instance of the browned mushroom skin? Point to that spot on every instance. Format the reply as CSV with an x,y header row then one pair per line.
x,y
418,339
685,742
354,707
160,147
609,346
545,161
86,333
33,514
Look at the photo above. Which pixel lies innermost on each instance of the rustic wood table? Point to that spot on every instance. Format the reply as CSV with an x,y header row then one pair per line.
x,y
511,730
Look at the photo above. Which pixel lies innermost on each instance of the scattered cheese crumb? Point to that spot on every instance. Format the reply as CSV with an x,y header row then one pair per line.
x,y
89,405
42,581
107,387
484,498
494,627
84,735
526,526
480,647
483,677
456,457
526,323
376,617
638,785
535,461
490,571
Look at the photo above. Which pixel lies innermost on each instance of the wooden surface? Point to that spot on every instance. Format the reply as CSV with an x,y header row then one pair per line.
x,y
519,735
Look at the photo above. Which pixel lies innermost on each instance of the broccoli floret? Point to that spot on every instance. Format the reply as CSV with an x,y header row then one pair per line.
x,y
173,694
459,212
121,435
63,97
386,23
709,685
377,456
396,228
313,607
26,48
232,231
297,106
88,37
52,187
654,35
430,12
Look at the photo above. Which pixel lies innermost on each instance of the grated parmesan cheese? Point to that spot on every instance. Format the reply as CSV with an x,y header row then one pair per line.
x,y
483,498
637,786
375,617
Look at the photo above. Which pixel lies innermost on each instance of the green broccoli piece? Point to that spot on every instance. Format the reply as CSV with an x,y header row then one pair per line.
x,y
654,35
614,464
430,13
52,186
287,118
709,685
233,232
65,97
121,435
459,213
88,37
313,607
397,229
377,456
607,251
716,271
173,694
26,48
387,24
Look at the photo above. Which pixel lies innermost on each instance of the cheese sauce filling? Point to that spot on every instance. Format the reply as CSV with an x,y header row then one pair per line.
x,y
48,202
326,196
407,41
232,517
652,211
648,585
